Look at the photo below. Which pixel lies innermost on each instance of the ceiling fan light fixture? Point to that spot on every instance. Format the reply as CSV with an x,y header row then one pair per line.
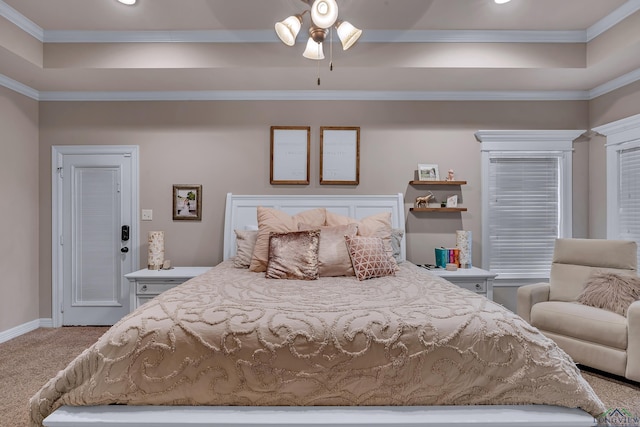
x,y
128,2
324,13
348,34
501,1
313,50
288,29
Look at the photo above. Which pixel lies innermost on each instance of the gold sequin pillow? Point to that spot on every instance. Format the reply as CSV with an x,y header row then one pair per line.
x,y
370,257
293,255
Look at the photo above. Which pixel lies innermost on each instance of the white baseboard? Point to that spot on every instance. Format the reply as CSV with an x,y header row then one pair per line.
x,y
24,328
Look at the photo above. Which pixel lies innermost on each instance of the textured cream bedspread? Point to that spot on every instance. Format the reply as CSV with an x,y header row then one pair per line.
x,y
232,337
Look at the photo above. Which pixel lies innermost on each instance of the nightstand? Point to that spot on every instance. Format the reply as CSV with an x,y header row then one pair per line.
x,y
474,279
146,284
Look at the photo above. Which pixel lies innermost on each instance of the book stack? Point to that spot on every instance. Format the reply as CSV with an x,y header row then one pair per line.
x,y
446,256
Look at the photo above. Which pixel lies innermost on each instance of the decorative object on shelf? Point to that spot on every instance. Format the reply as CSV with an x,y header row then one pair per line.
x,y
156,250
290,155
452,201
464,243
187,202
423,201
450,176
428,172
324,17
339,155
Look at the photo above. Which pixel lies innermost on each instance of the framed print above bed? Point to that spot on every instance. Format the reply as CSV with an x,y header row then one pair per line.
x,y
187,202
290,155
340,155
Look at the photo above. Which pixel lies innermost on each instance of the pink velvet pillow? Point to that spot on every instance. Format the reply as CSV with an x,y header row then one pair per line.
x,y
275,221
293,255
610,291
370,258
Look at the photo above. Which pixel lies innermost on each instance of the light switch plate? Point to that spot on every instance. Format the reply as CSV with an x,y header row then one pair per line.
x,y
147,214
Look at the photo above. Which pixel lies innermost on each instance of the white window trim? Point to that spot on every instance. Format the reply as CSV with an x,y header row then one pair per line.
x,y
621,135
513,141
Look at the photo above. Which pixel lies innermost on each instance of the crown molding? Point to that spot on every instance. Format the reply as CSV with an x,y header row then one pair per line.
x,y
615,17
614,84
316,95
268,36
619,126
18,87
21,21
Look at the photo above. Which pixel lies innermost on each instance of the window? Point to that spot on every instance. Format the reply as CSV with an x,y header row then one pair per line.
x,y
526,199
623,179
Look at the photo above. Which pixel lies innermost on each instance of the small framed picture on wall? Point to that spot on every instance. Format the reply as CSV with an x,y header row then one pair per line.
x,y
428,172
187,202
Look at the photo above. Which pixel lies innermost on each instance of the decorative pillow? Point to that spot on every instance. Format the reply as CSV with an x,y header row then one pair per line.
x,y
333,256
293,255
370,257
245,242
378,225
396,243
274,221
610,291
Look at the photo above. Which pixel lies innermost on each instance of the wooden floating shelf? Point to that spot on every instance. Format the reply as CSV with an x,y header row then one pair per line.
x,y
438,209
437,182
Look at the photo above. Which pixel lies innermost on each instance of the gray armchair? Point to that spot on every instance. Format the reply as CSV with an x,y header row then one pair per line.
x,y
593,337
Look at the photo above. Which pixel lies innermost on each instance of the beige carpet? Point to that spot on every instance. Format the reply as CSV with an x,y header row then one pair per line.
x,y
27,362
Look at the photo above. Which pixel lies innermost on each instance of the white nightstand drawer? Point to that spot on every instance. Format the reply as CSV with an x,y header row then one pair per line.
x,y
156,288
480,287
146,284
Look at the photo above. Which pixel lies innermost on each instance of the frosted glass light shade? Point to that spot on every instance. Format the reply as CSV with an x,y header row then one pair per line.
x,y
288,29
313,50
348,34
324,13
128,2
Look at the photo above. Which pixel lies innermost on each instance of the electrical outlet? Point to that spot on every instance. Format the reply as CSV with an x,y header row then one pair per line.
x,y
147,214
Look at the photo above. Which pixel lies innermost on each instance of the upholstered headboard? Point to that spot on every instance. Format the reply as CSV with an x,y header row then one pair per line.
x,y
241,211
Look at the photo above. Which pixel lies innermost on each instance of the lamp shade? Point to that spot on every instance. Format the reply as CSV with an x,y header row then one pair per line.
x,y
348,34
288,29
313,50
324,13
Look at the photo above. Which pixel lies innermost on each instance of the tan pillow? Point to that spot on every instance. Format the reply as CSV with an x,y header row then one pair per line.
x,y
370,258
245,242
610,291
275,221
378,225
293,255
333,255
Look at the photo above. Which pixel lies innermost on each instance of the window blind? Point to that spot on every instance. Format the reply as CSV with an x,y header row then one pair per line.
x,y
524,213
629,195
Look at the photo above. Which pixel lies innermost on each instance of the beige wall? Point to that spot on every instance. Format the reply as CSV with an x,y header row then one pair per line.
x,y
225,147
19,255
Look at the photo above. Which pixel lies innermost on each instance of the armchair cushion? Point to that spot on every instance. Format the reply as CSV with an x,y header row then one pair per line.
x,y
611,291
581,322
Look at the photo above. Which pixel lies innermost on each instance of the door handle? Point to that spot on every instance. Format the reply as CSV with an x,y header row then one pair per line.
x,y
124,250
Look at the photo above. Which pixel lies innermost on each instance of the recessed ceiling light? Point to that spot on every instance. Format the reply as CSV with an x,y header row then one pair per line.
x,y
502,1
128,2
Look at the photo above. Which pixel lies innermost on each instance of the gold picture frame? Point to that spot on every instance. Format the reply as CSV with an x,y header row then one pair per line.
x,y
187,202
290,155
339,155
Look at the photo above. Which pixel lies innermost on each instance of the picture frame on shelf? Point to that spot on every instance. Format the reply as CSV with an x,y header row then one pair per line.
x,y
428,172
187,202
339,155
290,155
452,201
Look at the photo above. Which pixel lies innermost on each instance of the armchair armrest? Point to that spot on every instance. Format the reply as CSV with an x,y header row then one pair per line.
x,y
633,345
529,295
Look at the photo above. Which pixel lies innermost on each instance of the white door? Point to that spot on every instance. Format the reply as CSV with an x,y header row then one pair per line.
x,y
98,223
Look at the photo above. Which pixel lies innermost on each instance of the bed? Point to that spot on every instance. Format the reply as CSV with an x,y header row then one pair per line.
x,y
232,347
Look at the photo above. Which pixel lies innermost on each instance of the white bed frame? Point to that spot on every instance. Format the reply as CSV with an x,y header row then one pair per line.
x,y
241,214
